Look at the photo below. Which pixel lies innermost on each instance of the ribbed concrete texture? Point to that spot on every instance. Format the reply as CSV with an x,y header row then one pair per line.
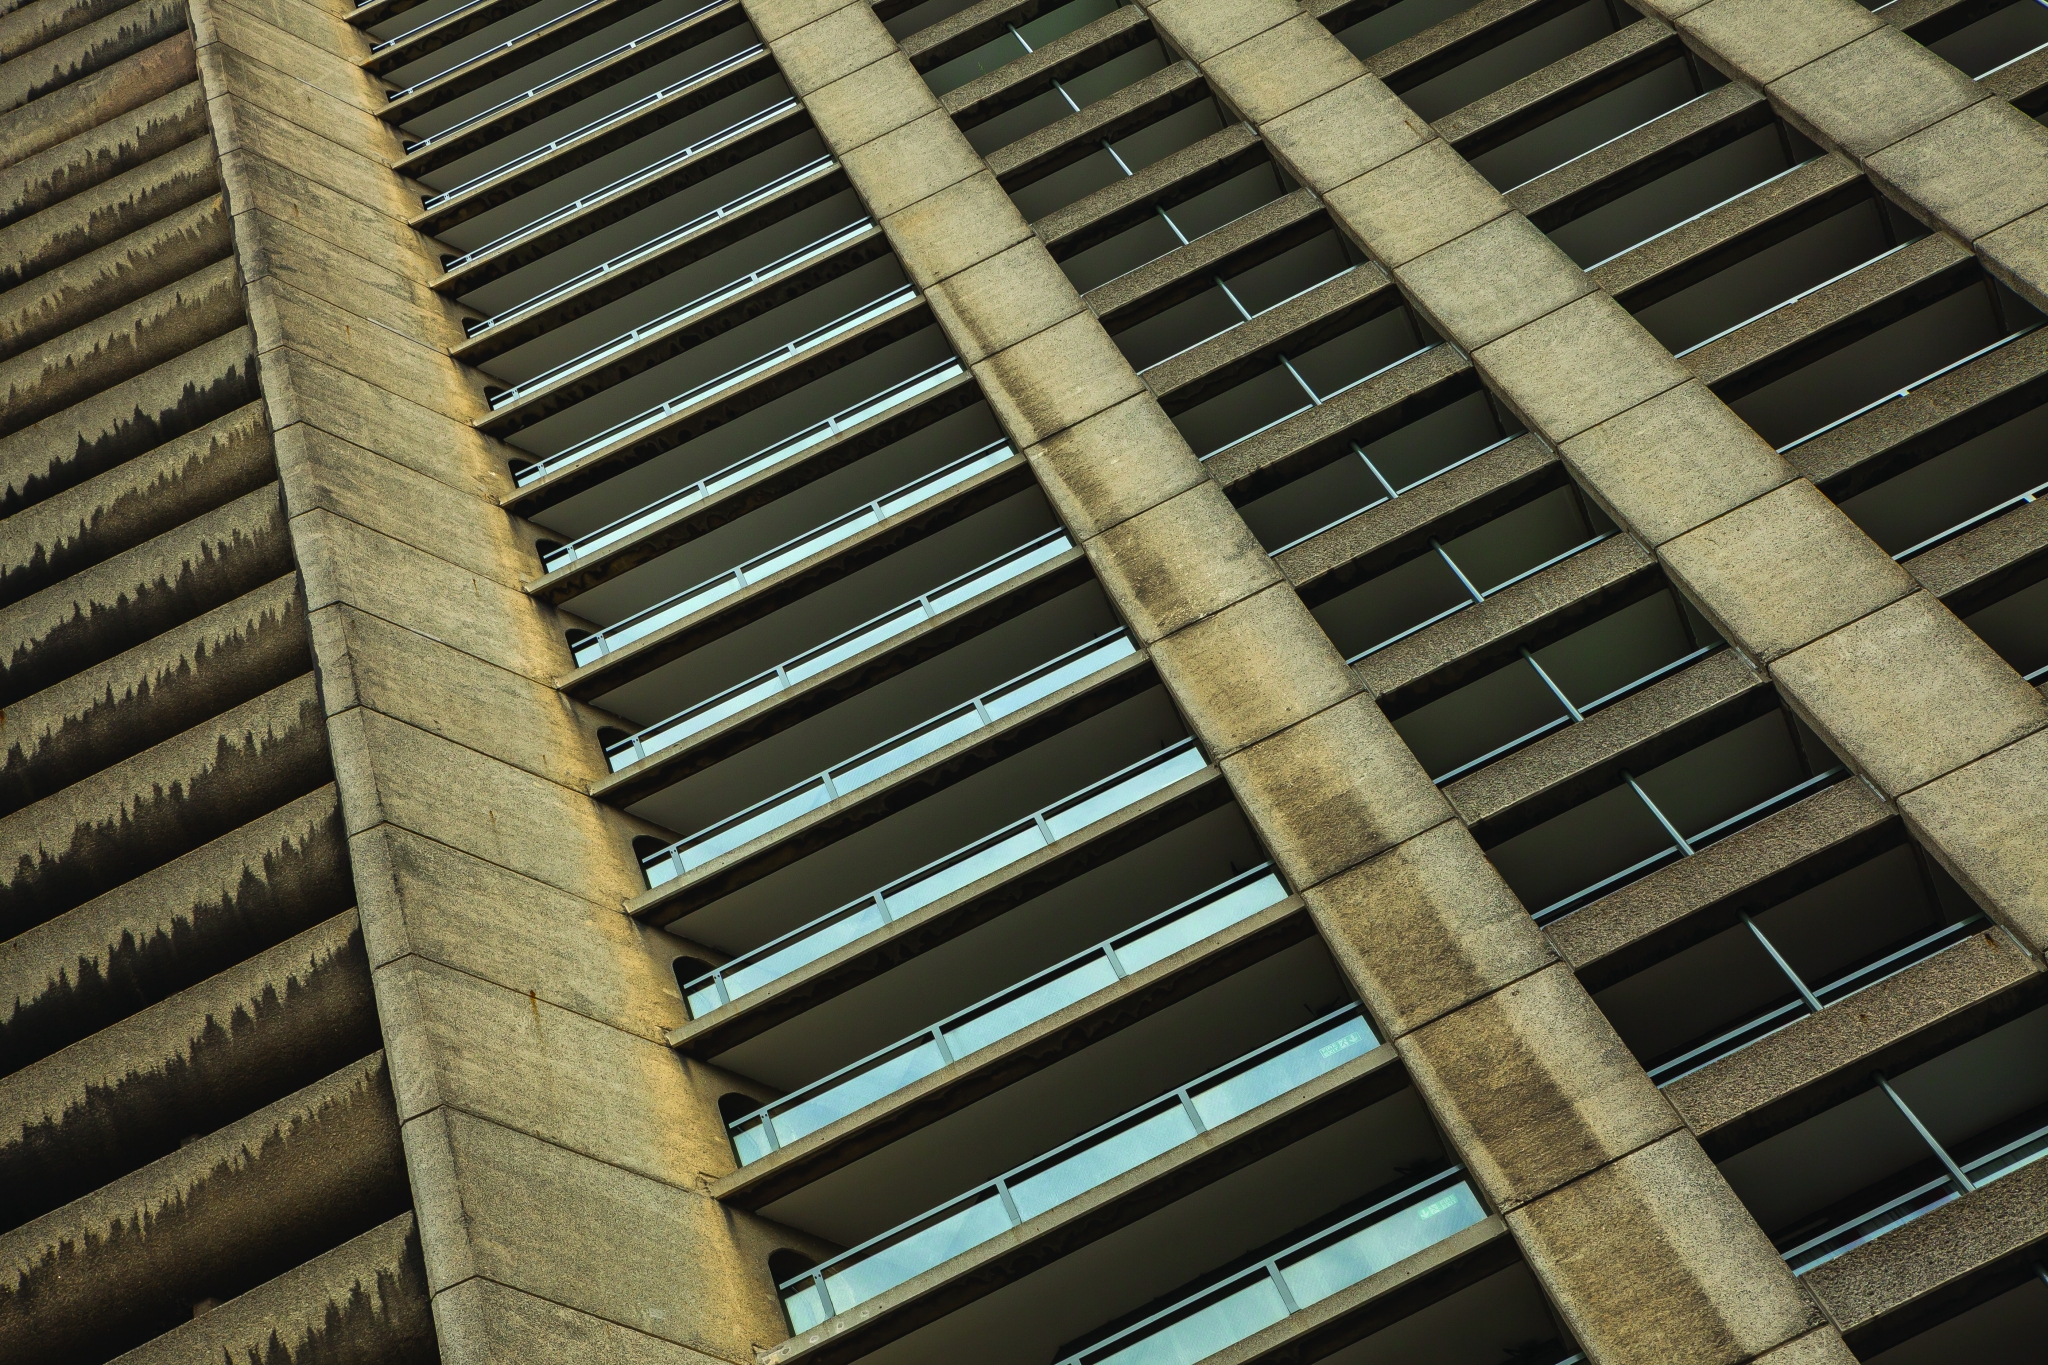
x,y
197,1110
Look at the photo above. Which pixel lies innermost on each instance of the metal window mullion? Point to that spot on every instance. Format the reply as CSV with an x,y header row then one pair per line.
x,y
1798,984
1684,845
1555,691
1272,1269
1313,397
1009,1203
1955,1172
1452,564
1385,482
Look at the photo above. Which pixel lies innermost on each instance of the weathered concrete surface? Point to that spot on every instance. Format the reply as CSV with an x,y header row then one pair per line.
x,y
490,882
1534,1087
174,925
30,25
120,144
146,496
107,212
153,256
1909,693
142,592
1707,1287
60,60
214,1218
164,801
1988,822
221,1048
138,336
1426,928
363,1303
180,395
1936,1250
69,110
103,714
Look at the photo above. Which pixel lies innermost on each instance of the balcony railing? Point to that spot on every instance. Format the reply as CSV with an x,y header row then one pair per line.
x,y
1306,1273
896,396
651,248
1072,1169
1683,845
551,83
731,379
676,317
838,649
1896,1212
988,855
617,116
651,171
794,551
893,754
1809,1000
1039,996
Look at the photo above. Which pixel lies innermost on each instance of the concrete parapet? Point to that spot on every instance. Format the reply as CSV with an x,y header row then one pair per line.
x,y
107,212
142,592
153,330
216,1050
120,144
103,714
180,395
32,24
148,809
211,1220
134,501
174,925
363,1303
69,110
155,255
60,60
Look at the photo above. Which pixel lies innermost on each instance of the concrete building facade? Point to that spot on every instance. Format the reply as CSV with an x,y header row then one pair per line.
x,y
797,682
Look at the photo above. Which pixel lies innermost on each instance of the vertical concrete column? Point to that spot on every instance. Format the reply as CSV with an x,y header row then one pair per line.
x,y
1641,1242
1971,166
1901,689
1950,148
558,1150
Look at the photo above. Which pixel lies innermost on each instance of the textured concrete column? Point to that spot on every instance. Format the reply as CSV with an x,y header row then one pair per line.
x,y
1544,1104
558,1150
1896,684
1950,148
1975,168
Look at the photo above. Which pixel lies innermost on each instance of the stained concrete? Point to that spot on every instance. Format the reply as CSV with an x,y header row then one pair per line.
x,y
143,497
133,596
69,110
173,926
62,59
120,272
107,212
153,330
215,1217
169,798
120,144
180,395
218,1049
105,713
1660,1226
363,1303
